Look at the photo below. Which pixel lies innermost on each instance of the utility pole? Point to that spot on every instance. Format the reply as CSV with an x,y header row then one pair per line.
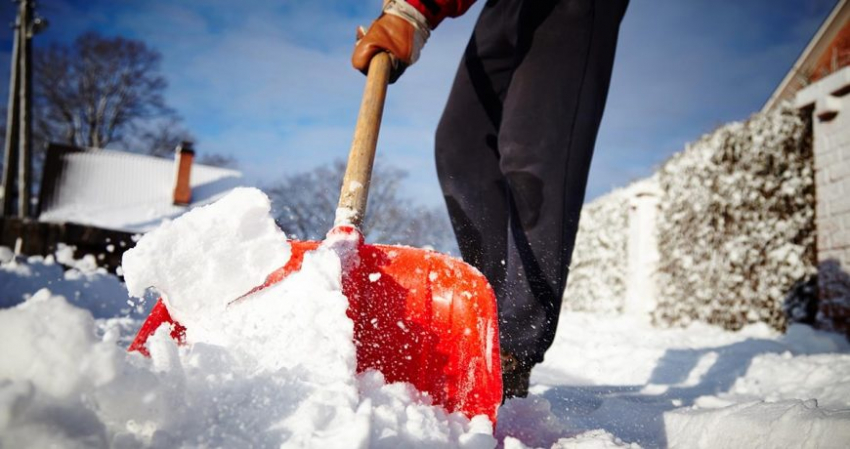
x,y
25,103
10,158
17,167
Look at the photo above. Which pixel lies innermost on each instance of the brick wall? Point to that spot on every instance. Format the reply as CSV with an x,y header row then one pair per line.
x,y
830,103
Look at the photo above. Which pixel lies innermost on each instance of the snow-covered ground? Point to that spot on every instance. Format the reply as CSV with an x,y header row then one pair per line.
x,y
279,369
687,388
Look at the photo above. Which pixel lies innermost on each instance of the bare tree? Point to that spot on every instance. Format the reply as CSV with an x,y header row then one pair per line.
x,y
218,160
103,91
94,91
160,137
305,204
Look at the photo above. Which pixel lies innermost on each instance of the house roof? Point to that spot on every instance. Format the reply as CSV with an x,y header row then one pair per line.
x,y
814,55
122,191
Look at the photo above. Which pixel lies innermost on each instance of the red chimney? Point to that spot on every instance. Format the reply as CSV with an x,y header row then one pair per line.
x,y
183,158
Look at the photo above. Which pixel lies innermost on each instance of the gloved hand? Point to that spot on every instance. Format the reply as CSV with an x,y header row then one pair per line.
x,y
401,30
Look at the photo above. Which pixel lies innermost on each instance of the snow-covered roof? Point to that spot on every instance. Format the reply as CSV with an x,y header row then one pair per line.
x,y
121,191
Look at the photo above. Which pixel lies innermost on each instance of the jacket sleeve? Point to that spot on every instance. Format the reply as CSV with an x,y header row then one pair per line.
x,y
437,10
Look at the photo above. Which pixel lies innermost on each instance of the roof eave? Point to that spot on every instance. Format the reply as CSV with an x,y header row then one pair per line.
x,y
827,31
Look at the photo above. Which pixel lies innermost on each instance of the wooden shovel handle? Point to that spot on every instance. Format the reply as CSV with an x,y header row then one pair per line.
x,y
358,173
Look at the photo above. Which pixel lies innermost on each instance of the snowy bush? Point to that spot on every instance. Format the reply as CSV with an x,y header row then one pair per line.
x,y
736,227
597,278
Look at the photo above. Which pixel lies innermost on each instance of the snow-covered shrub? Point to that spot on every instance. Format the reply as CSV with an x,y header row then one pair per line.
x,y
736,227
597,277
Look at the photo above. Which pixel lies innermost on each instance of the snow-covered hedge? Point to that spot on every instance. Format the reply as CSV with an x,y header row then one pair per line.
x,y
597,278
736,226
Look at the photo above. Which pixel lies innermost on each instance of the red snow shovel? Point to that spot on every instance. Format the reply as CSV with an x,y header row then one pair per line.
x,y
419,316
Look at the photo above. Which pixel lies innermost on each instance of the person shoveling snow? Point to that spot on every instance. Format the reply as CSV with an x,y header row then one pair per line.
x,y
515,222
420,317
514,145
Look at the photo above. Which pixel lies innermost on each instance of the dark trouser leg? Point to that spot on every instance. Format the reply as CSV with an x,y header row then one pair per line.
x,y
514,148
551,116
466,153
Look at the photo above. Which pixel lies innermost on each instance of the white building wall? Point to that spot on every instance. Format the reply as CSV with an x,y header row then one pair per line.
x,y
830,105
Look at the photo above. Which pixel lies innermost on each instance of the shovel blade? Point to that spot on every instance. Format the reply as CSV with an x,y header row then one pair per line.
x,y
419,317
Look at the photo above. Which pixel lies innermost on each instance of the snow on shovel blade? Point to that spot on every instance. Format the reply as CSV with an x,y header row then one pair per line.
x,y
419,316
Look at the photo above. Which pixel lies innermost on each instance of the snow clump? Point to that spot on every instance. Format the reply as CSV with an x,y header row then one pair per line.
x,y
207,258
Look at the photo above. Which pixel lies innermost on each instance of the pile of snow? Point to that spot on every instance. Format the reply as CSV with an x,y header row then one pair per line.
x,y
598,270
80,281
207,258
699,386
736,227
781,424
276,368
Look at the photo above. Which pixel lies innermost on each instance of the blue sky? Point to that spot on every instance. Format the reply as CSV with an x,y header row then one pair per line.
x,y
269,82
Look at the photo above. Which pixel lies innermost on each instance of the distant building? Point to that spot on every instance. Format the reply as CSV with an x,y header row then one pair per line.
x,y
99,200
126,192
827,98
